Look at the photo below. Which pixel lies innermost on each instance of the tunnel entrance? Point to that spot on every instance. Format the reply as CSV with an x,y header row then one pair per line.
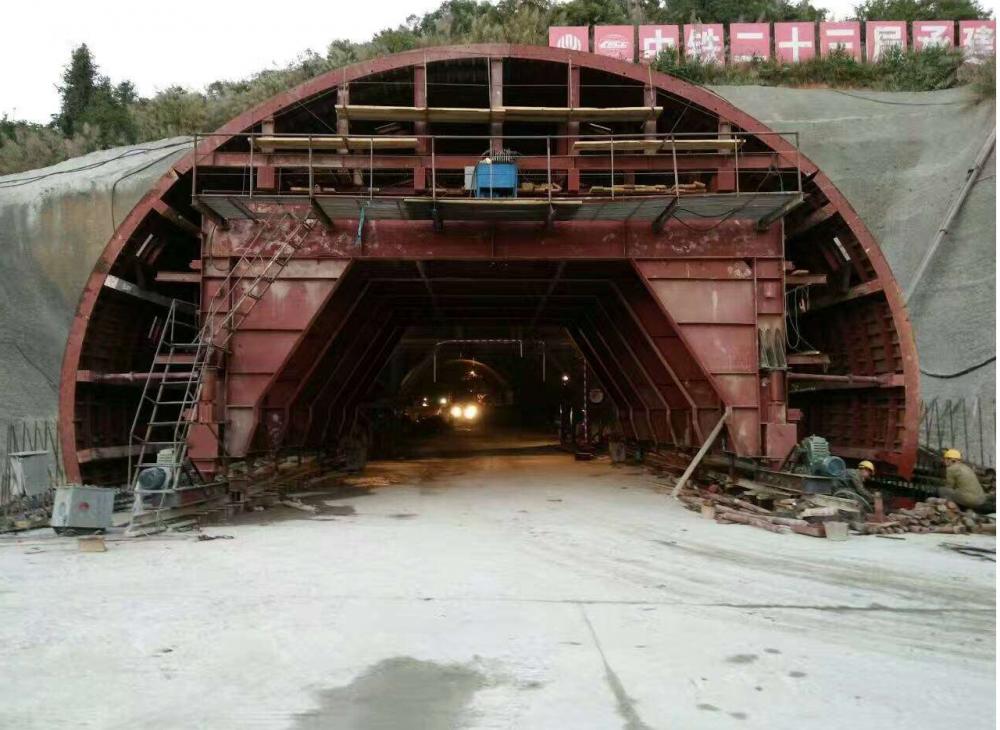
x,y
575,351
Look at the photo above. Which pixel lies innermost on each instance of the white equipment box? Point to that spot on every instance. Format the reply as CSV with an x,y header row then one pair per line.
x,y
82,508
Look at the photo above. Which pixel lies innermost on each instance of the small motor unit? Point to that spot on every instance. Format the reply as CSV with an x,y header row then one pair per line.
x,y
496,176
817,457
82,509
824,470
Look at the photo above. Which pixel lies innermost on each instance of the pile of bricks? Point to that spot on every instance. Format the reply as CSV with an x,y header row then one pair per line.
x,y
932,515
804,514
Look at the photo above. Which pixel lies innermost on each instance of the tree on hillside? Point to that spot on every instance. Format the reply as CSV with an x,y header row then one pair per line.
x,y
90,99
738,11
77,91
920,10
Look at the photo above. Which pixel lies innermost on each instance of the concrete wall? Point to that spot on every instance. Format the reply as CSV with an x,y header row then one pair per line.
x,y
899,158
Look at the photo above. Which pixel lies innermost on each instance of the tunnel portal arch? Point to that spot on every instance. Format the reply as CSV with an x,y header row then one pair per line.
x,y
681,314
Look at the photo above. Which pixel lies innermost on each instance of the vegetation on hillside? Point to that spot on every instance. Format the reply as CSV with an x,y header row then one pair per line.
x,y
97,113
934,68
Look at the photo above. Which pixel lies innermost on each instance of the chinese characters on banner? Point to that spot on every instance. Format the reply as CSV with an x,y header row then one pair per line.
x,y
840,36
655,39
704,43
748,41
882,36
614,41
978,38
572,38
933,34
794,42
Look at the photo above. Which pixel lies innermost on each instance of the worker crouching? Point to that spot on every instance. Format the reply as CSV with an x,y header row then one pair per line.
x,y
961,483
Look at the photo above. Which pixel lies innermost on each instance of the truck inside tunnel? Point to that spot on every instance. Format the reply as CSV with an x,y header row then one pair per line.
x,y
556,243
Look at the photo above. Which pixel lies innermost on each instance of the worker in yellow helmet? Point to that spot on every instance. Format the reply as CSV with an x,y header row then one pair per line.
x,y
961,483
857,478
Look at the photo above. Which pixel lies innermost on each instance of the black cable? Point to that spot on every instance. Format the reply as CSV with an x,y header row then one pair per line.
x,y
32,363
960,373
114,224
4,184
898,103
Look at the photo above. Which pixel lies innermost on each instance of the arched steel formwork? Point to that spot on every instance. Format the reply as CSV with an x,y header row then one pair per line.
x,y
679,318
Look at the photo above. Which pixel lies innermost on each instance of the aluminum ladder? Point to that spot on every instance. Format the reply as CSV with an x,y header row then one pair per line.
x,y
185,352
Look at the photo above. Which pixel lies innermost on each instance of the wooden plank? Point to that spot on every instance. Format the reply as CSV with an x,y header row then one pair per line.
x,y
127,287
337,143
808,358
582,114
175,218
179,277
618,145
813,219
371,112
804,278
712,144
702,145
701,452
856,292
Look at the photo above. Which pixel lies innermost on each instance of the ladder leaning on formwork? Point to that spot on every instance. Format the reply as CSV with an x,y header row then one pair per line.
x,y
185,351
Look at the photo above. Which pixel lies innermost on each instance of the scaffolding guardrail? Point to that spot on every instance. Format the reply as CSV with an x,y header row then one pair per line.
x,y
608,166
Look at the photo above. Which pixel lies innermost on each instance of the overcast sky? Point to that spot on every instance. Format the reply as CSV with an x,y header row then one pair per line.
x,y
186,42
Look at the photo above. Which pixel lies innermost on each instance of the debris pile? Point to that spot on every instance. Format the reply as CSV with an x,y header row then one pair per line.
x,y
820,515
805,514
932,515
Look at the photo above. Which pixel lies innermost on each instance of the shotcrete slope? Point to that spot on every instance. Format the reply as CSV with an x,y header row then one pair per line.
x,y
54,223
901,159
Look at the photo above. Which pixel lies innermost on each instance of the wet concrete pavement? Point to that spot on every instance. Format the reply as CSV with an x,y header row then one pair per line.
x,y
511,587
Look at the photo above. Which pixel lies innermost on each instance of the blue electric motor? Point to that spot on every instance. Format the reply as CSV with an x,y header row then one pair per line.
x,y
496,176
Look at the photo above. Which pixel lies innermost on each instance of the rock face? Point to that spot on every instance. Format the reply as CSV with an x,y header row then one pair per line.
x,y
900,158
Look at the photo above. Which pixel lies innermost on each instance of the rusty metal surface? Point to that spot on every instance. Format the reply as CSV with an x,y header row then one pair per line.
x,y
286,346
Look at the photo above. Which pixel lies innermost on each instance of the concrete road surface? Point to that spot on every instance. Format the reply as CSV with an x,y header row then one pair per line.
x,y
495,589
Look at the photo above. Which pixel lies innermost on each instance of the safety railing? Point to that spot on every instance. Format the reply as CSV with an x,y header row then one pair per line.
x,y
607,165
966,424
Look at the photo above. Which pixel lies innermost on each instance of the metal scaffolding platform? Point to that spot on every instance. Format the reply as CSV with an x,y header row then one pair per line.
x,y
760,207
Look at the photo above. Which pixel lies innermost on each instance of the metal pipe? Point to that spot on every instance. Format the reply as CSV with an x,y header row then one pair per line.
x,y
970,180
612,167
194,168
822,378
548,165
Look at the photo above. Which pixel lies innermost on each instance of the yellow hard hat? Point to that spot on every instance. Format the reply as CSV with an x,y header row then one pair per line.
x,y
867,465
953,454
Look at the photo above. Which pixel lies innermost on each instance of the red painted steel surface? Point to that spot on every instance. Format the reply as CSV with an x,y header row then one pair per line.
x,y
302,363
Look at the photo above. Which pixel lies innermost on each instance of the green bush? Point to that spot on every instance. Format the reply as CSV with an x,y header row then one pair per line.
x,y
933,68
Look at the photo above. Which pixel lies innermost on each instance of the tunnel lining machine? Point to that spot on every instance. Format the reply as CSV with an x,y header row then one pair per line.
x,y
698,261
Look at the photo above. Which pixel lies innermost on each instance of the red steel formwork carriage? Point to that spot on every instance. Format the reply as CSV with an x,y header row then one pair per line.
x,y
699,263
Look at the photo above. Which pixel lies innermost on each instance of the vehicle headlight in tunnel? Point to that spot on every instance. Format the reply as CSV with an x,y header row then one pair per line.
x,y
470,412
443,401
456,411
